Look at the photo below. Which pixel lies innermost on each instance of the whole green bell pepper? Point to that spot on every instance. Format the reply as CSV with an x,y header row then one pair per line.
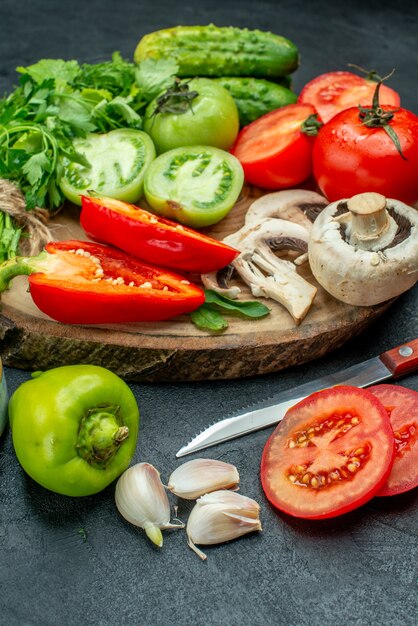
x,y
74,428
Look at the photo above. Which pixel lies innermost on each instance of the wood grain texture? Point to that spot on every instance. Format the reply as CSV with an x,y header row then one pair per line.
x,y
176,350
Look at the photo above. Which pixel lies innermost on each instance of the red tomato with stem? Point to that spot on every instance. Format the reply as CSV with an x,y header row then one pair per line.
x,y
275,150
402,407
351,157
333,92
331,453
152,238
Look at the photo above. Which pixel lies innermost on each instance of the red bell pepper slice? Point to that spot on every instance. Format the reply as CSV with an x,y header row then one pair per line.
x,y
78,282
152,238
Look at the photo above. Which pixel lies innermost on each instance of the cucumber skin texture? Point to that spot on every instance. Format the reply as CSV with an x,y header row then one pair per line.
x,y
255,97
221,51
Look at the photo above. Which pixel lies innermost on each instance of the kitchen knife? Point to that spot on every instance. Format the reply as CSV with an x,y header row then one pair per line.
x,y
392,364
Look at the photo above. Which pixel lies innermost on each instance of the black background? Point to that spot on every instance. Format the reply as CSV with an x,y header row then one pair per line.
x,y
67,560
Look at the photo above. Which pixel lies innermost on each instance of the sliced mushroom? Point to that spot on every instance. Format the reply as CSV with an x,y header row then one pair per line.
x,y
364,250
296,205
267,275
219,282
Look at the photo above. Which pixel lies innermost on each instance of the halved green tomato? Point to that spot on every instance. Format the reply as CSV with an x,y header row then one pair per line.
x,y
196,185
118,162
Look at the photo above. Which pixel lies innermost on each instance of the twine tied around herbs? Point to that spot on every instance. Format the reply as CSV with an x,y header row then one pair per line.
x,y
33,222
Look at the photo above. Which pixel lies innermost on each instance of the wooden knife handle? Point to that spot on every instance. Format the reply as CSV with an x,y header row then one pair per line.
x,y
403,359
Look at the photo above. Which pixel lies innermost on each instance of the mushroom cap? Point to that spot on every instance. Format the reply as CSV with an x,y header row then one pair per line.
x,y
277,233
364,277
296,205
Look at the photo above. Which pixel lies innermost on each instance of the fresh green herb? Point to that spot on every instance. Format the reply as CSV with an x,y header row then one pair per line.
x,y
9,237
63,72
57,101
154,76
248,308
209,317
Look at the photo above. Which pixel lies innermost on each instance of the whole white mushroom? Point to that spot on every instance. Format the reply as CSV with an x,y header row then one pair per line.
x,y
364,250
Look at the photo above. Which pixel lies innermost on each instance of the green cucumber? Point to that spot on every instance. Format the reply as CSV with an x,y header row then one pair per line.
x,y
221,51
254,96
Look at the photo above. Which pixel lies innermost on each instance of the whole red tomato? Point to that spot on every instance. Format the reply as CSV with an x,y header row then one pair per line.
x,y
351,157
333,92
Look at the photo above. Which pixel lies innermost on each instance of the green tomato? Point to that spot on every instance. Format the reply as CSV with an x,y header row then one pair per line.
x,y
118,162
209,119
74,428
195,185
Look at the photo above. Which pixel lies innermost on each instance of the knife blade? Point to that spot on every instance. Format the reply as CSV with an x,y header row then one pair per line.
x,y
391,364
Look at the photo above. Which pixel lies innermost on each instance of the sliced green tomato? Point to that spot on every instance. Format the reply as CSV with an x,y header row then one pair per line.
x,y
196,185
118,162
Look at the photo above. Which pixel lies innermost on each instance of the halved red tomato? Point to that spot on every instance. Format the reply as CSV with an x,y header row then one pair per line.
x,y
332,452
402,406
275,151
333,92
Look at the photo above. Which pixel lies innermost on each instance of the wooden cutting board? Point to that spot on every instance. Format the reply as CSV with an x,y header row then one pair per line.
x,y
176,350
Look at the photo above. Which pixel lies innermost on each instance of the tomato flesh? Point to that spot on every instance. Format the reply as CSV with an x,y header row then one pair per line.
x,y
331,453
333,92
402,407
118,162
196,185
273,150
152,238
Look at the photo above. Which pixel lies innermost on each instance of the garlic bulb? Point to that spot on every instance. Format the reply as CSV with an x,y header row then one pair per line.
x,y
200,476
221,516
142,500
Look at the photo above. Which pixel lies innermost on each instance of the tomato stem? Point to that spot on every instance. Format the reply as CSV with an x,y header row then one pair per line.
x,y
311,125
376,117
370,74
177,99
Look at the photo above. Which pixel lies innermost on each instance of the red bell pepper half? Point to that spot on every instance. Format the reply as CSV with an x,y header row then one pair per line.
x,y
152,238
78,282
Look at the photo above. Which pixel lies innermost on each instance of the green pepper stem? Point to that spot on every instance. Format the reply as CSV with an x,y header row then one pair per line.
x,y
20,266
100,435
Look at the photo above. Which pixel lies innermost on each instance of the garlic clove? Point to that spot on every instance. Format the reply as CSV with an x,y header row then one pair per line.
x,y
200,476
221,516
230,499
141,499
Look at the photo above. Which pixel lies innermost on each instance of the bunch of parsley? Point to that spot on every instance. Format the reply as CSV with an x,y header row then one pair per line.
x,y
57,101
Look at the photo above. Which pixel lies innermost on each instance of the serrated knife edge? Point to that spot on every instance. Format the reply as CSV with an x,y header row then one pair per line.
x,y
271,411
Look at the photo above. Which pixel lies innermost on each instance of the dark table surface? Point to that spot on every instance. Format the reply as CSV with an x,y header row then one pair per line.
x,y
68,561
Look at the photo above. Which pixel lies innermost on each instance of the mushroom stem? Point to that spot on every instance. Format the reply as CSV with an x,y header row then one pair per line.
x,y
369,225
